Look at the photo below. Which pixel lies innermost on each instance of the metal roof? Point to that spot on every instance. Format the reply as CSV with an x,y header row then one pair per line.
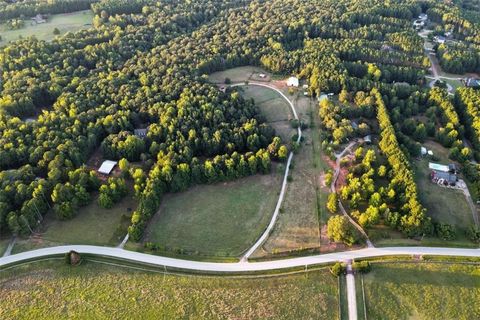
x,y
107,166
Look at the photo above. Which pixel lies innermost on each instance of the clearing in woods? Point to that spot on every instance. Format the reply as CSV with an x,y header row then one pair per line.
x,y
65,22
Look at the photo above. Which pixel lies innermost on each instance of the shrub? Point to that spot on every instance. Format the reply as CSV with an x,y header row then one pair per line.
x,y
338,269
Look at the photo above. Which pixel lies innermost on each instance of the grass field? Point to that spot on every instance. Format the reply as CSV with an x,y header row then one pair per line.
x,y
216,220
52,290
67,22
239,74
92,225
299,222
276,110
423,291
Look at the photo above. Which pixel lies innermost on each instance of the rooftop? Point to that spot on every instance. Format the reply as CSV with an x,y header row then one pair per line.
x,y
107,166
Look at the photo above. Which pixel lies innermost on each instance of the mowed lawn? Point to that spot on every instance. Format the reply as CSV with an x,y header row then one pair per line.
x,y
92,225
423,291
53,290
222,219
66,22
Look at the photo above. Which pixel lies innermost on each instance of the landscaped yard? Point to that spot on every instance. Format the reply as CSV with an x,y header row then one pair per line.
x,y
67,22
222,219
92,225
53,290
424,291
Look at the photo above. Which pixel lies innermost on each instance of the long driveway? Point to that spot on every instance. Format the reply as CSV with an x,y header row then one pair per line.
x,y
270,226
225,267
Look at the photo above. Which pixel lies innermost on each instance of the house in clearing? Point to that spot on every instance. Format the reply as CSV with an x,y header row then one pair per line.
x,y
292,82
107,167
443,174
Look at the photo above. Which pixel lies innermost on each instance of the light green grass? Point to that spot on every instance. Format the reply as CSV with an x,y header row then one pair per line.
x,y
67,22
92,225
274,107
359,296
343,298
297,227
239,74
223,219
52,290
425,291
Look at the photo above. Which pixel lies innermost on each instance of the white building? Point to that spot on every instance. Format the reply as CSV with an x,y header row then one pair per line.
x,y
292,82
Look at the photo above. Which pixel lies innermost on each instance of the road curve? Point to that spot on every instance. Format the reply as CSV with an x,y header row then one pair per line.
x,y
225,267
270,226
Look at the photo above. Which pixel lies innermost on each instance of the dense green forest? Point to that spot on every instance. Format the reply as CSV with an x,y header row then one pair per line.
x,y
144,63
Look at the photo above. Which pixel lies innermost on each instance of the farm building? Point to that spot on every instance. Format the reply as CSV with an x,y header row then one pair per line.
x,y
107,167
292,82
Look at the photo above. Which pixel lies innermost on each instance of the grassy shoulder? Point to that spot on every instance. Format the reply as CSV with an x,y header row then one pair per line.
x,y
216,220
94,290
424,291
66,22
91,225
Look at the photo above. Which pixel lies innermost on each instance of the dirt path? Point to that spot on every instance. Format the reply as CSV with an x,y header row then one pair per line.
x,y
270,226
333,188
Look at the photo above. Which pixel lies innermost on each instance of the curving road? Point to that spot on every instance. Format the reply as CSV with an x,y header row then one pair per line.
x,y
270,226
225,267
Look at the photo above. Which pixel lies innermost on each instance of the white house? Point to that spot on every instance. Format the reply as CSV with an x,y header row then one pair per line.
x,y
107,167
292,82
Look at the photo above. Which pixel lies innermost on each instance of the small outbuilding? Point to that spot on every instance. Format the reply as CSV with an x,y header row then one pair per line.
x,y
141,133
262,75
107,167
423,151
292,82
367,139
39,19
439,39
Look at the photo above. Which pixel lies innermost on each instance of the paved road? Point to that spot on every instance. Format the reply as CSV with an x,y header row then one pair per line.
x,y
225,267
9,249
351,293
270,226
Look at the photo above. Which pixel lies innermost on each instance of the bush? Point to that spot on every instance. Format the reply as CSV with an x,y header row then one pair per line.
x,y
473,233
362,266
445,231
338,269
